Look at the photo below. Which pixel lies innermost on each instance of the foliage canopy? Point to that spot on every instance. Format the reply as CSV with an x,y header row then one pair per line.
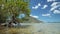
x,y
11,9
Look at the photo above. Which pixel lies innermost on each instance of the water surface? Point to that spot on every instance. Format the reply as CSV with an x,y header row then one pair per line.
x,y
45,28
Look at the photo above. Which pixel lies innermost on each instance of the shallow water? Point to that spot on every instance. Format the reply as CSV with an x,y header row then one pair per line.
x,y
45,28
41,28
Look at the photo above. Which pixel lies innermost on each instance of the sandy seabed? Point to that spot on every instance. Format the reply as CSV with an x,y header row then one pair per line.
x,y
47,28
35,28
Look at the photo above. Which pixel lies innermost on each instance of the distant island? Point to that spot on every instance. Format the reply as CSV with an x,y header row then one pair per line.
x,y
53,22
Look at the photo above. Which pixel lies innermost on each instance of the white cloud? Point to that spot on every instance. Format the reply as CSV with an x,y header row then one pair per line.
x,y
34,16
56,12
45,6
37,6
54,3
51,0
54,6
46,15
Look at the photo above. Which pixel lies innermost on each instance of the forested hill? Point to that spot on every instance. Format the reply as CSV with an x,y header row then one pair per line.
x,y
34,20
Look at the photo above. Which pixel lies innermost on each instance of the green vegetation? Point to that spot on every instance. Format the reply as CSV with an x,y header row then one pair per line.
x,y
10,12
11,9
15,31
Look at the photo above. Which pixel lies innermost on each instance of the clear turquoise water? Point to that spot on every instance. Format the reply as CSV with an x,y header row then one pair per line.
x,y
48,28
45,28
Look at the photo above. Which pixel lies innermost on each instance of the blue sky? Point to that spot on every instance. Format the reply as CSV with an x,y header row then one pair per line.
x,y
45,10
